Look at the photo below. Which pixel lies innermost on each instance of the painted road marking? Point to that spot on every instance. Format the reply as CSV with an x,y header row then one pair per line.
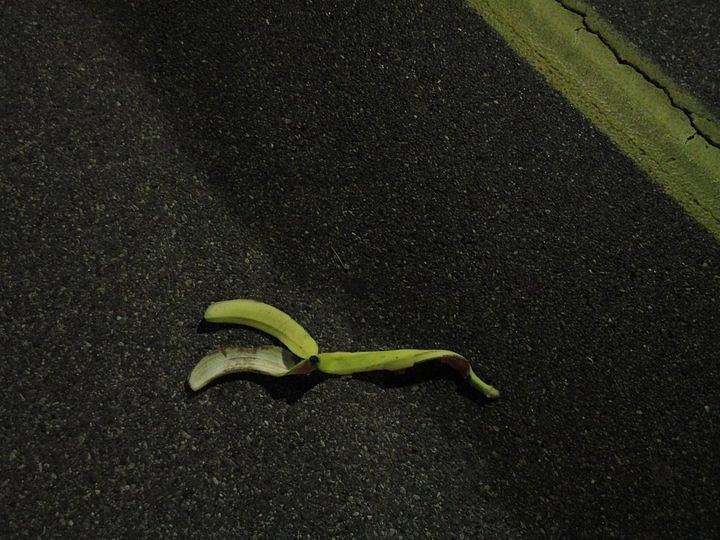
x,y
663,129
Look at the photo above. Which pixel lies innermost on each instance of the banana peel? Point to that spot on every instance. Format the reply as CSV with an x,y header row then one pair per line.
x,y
302,354
270,360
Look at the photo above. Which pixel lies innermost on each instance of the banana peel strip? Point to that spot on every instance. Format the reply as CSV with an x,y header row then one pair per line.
x,y
265,318
347,363
279,362
270,360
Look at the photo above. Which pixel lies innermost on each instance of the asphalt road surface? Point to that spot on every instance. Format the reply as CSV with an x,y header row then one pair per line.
x,y
157,157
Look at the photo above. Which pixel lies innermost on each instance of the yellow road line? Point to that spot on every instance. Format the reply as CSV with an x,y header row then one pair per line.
x,y
665,131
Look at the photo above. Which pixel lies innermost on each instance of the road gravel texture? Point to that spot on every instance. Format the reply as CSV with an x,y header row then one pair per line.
x,y
157,157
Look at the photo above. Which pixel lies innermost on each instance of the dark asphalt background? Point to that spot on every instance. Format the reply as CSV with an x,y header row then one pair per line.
x,y
158,157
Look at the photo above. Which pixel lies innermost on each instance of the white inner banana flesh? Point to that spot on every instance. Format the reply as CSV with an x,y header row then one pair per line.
x,y
270,360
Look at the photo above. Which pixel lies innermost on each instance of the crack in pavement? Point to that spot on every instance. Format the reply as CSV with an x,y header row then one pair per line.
x,y
673,102
654,122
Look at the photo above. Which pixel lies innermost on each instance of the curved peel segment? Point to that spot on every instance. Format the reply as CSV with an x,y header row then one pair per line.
x,y
274,361
346,363
267,318
489,391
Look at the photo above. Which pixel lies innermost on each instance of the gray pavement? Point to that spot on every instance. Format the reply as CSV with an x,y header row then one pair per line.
x,y
157,158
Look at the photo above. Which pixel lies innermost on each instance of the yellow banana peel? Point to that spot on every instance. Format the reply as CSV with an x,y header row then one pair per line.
x,y
303,355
